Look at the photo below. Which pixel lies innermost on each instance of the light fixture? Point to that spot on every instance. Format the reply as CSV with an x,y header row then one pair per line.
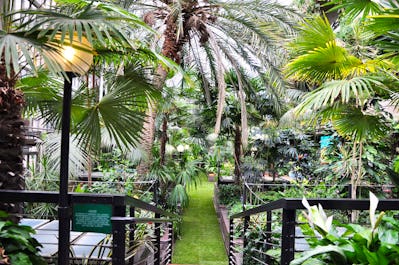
x,y
77,57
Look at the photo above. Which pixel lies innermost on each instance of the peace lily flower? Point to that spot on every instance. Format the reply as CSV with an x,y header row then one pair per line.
x,y
317,217
374,221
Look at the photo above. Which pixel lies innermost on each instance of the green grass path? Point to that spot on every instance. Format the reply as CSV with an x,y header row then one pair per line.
x,y
201,240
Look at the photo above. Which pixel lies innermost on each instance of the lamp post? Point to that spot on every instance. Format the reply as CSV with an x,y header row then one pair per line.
x,y
76,60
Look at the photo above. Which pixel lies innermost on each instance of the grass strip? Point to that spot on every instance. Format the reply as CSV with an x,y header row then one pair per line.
x,y
201,240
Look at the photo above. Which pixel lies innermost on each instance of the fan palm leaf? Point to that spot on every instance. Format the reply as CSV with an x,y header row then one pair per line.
x,y
129,101
358,88
121,111
356,8
323,63
352,123
78,156
314,33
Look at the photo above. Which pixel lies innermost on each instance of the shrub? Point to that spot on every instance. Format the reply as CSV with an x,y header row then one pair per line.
x,y
17,246
229,194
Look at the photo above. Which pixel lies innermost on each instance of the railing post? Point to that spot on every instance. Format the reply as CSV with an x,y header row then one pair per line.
x,y
170,243
246,225
155,192
244,196
288,237
119,233
157,254
268,238
132,228
231,238
118,242
349,191
350,197
245,243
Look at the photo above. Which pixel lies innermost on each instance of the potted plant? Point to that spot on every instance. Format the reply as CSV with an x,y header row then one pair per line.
x,y
211,166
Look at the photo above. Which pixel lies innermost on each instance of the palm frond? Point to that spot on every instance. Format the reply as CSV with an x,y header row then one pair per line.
x,y
121,111
357,88
25,42
323,63
356,8
78,156
352,123
312,33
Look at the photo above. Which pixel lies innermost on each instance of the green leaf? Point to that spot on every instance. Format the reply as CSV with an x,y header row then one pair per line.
x,y
20,258
356,8
339,255
354,124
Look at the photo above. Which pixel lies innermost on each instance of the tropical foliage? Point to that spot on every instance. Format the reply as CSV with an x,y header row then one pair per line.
x,y
210,38
17,246
349,243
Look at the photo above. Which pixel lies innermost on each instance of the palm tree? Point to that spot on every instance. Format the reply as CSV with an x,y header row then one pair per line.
x,y
29,40
345,87
211,36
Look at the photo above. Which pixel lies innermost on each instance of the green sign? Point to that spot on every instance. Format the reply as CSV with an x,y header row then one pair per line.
x,y
90,217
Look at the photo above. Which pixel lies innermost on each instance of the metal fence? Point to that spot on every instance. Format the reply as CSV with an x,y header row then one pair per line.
x,y
255,194
270,234
117,247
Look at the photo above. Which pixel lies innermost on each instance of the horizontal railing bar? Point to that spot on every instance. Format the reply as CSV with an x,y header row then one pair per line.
x,y
316,185
52,197
332,204
257,250
28,196
133,220
258,260
149,207
86,258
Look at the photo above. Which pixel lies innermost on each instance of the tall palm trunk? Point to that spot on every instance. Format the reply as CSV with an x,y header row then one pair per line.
x,y
237,154
172,49
11,138
148,132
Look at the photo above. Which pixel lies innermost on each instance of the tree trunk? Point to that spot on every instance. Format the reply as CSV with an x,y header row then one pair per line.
x,y
11,142
172,49
164,138
237,154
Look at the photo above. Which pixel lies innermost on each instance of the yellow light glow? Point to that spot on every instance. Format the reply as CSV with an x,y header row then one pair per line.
x,y
69,53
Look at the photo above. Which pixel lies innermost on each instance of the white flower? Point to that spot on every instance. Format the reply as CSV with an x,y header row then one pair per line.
x,y
317,216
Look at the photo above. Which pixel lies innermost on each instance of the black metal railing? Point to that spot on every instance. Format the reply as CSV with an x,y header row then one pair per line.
x,y
270,231
252,192
124,209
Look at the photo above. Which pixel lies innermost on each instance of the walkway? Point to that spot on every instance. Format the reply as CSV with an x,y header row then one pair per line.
x,y
201,241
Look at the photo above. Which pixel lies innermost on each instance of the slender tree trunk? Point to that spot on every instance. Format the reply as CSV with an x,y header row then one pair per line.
x,y
353,174
354,177
237,154
164,137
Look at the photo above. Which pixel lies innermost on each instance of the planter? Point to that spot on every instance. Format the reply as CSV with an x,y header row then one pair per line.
x,y
211,177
